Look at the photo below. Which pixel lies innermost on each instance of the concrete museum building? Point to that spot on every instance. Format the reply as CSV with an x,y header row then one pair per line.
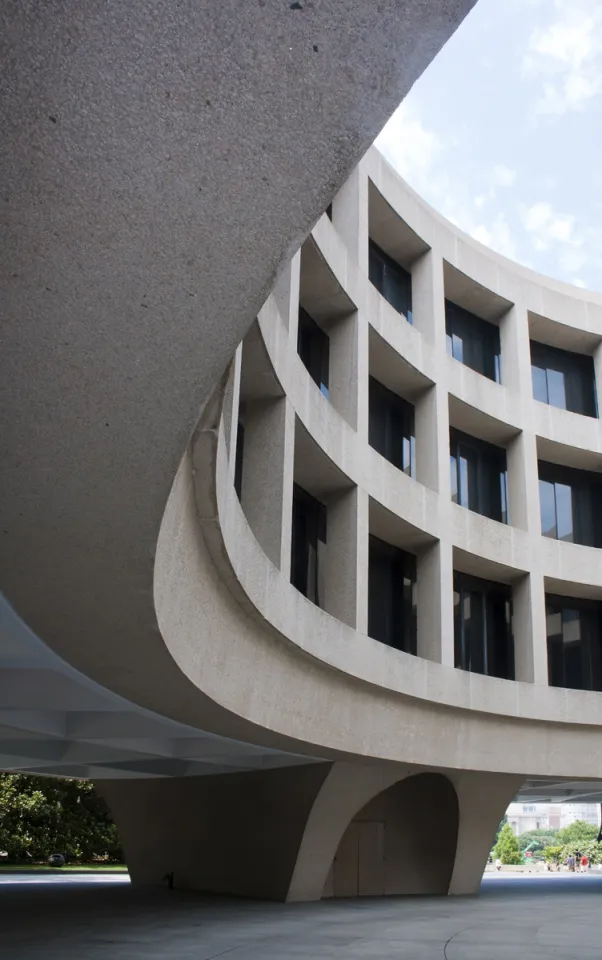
x,y
301,510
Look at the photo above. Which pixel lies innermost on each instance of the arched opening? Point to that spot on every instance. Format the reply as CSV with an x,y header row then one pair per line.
x,y
403,841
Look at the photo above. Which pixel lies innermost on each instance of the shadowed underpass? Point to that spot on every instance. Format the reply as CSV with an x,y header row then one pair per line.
x,y
540,917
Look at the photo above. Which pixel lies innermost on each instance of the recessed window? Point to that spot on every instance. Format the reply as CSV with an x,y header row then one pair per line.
x,y
563,379
313,346
574,634
473,341
391,427
570,503
392,596
478,476
483,627
308,534
391,280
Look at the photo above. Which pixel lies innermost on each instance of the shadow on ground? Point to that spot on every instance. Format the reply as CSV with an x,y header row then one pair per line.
x,y
535,917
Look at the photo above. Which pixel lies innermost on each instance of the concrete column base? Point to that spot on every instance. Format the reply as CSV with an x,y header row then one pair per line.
x,y
236,834
483,799
321,830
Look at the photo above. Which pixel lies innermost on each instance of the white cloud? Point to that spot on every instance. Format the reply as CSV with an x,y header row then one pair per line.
x,y
566,55
572,259
418,154
570,246
408,145
503,176
547,226
497,235
569,40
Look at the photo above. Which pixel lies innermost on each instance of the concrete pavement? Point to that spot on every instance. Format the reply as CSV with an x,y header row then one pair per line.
x,y
556,918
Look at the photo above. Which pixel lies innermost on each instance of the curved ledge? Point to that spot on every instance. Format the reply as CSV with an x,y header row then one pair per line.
x,y
563,303
254,580
492,399
280,667
582,436
504,413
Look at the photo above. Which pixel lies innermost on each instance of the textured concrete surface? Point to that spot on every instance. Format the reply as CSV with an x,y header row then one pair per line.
x,y
159,162
302,833
544,919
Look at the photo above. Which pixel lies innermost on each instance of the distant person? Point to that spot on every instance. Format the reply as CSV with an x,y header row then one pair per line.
x,y
584,864
571,863
498,864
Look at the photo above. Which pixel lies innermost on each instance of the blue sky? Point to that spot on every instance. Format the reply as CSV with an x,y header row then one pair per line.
x,y
503,133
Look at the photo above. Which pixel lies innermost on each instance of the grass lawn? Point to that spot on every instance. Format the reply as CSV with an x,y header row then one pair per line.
x,y
70,868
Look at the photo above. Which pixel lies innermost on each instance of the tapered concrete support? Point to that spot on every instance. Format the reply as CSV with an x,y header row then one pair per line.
x,y
346,790
390,848
483,799
234,834
328,829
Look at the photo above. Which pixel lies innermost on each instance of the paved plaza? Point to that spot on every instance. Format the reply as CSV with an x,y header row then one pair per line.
x,y
557,918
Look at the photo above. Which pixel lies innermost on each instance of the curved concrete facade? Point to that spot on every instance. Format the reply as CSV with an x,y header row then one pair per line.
x,y
293,673
164,607
323,443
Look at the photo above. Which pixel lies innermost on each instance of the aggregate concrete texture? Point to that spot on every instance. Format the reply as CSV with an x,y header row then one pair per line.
x,y
547,918
160,162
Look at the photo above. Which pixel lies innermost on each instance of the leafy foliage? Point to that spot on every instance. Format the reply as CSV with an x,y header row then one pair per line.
x,y
40,816
507,848
591,849
578,832
541,838
502,823
554,854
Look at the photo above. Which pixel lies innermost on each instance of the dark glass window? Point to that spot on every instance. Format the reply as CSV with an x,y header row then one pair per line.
x,y
473,341
574,630
309,530
238,459
483,627
392,596
563,379
570,503
313,346
391,280
479,480
391,427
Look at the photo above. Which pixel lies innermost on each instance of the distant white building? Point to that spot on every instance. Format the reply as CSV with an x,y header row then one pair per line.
x,y
524,817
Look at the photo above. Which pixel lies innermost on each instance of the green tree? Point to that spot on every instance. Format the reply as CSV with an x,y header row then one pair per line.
x,y
40,816
507,848
501,824
554,854
591,849
541,838
578,832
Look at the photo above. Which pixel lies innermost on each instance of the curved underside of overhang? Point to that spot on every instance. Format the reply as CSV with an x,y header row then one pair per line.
x,y
159,163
